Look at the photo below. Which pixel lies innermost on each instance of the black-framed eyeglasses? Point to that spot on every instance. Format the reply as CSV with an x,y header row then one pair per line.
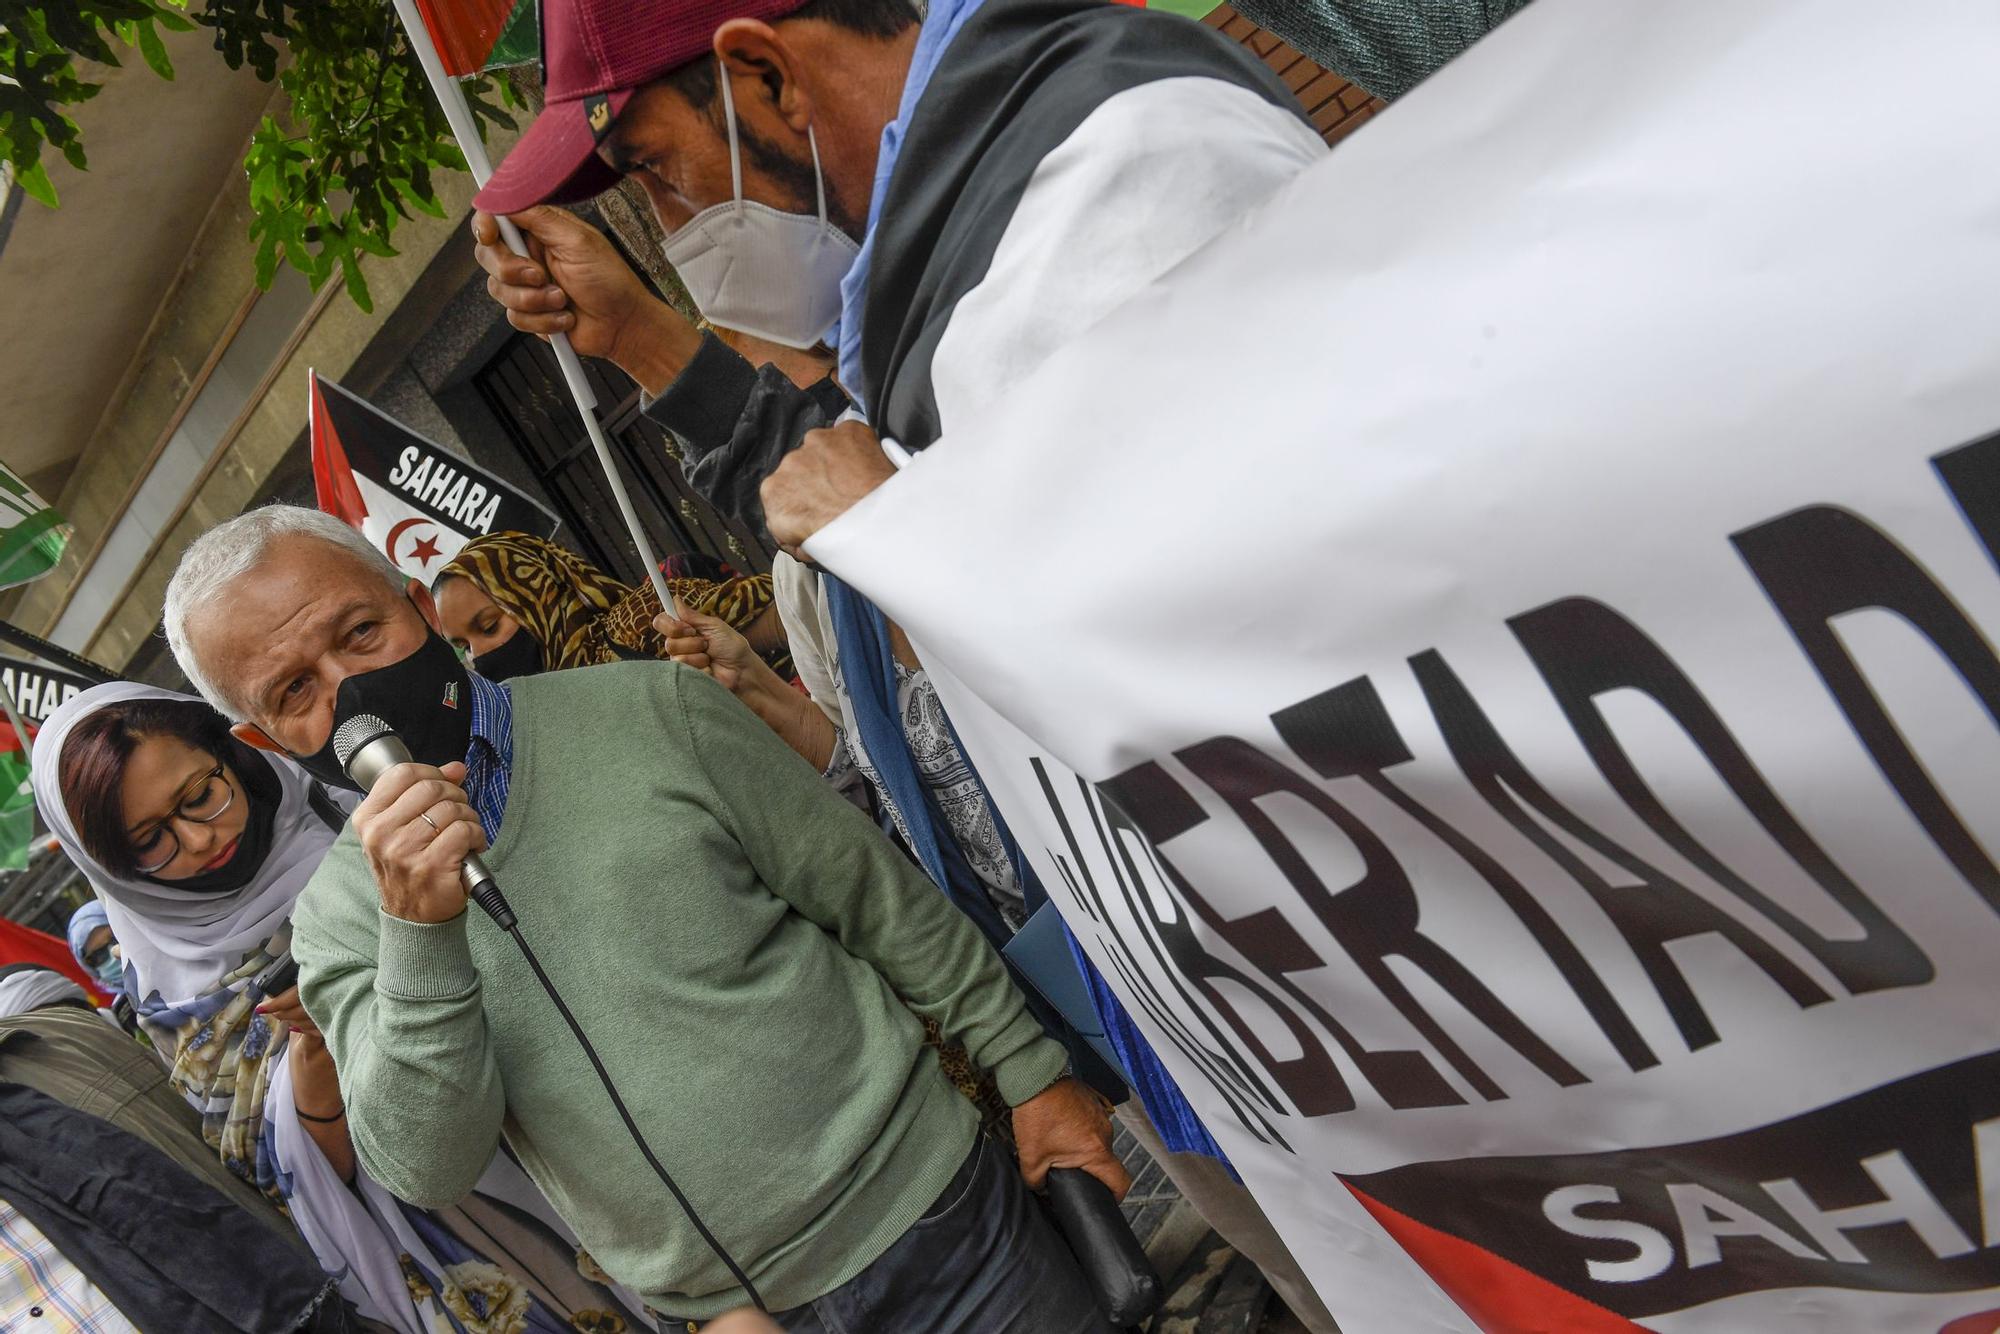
x,y
201,803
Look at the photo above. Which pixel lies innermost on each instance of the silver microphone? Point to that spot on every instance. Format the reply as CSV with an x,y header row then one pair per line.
x,y
366,748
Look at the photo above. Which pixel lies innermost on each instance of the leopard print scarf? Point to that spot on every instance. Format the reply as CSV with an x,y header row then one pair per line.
x,y
582,616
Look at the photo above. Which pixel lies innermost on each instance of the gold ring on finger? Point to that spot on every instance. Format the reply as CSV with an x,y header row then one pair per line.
x,y
425,816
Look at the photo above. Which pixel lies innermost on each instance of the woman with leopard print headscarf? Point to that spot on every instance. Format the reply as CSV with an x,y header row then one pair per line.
x,y
520,604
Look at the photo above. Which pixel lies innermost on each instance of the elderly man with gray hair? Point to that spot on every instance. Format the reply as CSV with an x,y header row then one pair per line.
x,y
744,950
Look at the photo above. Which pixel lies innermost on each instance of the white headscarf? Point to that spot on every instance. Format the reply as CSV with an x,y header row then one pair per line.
x,y
176,942
32,988
180,944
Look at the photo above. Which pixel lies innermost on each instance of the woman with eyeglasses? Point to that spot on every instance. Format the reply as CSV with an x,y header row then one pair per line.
x,y
198,846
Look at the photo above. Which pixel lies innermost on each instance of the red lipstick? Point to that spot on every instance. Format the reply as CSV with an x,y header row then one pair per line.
x,y
222,858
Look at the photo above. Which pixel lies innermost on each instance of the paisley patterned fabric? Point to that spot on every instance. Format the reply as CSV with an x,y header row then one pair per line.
x,y
582,616
218,1049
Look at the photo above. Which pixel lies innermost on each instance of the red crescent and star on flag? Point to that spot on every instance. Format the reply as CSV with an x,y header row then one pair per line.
x,y
425,549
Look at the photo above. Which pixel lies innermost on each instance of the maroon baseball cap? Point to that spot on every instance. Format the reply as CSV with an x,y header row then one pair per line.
x,y
595,54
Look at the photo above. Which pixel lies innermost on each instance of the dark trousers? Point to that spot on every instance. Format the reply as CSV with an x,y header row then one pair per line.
x,y
984,1259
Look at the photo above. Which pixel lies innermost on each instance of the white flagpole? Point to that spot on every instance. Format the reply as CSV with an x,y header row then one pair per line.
x,y
464,129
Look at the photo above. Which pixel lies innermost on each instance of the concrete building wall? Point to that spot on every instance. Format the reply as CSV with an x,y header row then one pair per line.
x,y
218,402
205,417
332,341
199,315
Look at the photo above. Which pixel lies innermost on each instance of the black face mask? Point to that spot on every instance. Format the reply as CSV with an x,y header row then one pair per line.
x,y
426,699
258,789
519,655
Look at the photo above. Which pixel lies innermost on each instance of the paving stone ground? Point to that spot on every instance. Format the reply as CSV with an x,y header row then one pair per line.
x,y
1210,1289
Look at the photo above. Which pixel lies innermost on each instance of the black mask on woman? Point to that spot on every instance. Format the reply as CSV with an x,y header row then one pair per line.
x,y
257,788
519,655
426,699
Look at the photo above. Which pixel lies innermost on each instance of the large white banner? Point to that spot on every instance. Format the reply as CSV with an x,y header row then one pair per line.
x,y
1495,661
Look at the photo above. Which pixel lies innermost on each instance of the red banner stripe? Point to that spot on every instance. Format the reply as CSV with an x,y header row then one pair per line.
x,y
20,944
1499,1295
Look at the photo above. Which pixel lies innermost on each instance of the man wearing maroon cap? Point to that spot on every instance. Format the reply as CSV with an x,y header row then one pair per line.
x,y
945,203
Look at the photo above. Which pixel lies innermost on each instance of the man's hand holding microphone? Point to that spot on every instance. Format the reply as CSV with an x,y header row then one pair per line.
x,y
417,827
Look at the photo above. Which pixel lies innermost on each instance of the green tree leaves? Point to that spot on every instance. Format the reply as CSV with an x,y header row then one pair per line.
x,y
354,155
364,139
43,43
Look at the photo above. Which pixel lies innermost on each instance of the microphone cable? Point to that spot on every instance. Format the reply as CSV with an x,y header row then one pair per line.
x,y
366,748
489,898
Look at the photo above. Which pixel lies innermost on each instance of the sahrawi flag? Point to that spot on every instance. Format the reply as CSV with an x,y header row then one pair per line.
x,y
416,502
475,35
1194,9
32,534
17,800
38,691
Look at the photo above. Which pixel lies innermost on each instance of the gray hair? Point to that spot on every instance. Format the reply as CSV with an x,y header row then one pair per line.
x,y
230,550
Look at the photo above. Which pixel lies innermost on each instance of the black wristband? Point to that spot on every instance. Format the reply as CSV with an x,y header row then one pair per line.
x,y
304,1115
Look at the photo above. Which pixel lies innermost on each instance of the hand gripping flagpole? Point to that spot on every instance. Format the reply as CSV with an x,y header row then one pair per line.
x,y
451,98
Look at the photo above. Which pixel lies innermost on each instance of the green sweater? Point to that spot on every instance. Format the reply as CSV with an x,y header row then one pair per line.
x,y
734,937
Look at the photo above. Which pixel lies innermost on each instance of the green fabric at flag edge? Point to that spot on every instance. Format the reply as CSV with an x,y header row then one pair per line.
x,y
519,43
37,537
17,812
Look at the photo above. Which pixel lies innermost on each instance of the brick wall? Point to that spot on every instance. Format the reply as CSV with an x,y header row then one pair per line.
x,y
1337,107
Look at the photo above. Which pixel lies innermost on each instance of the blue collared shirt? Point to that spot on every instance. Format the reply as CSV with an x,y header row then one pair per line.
x,y
489,760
